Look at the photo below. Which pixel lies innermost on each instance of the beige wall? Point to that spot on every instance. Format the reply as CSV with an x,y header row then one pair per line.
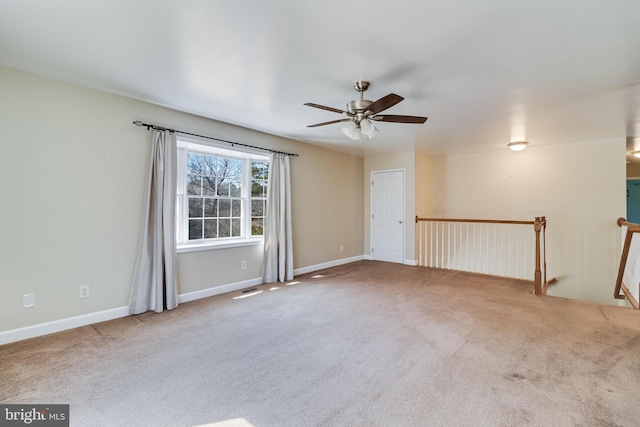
x,y
633,171
404,161
72,173
424,185
579,187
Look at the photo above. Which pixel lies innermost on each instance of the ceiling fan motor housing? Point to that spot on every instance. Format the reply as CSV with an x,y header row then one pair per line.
x,y
358,106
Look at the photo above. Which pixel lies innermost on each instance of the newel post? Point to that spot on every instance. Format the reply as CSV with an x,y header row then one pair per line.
x,y
538,225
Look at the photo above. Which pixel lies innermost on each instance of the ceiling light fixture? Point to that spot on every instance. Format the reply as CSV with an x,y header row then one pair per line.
x,y
352,130
358,130
518,145
368,128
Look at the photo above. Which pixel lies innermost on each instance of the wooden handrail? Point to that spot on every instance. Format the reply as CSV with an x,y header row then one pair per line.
x,y
540,282
631,228
482,221
635,228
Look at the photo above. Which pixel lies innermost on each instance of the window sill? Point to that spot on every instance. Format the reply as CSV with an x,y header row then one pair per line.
x,y
195,247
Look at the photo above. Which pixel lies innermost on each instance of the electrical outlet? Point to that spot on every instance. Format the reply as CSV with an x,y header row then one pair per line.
x,y
28,300
84,291
341,248
243,265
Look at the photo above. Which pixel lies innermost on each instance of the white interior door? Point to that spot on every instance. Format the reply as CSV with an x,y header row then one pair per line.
x,y
387,216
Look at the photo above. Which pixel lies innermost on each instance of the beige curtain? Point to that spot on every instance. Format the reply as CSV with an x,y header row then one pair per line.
x,y
154,282
278,247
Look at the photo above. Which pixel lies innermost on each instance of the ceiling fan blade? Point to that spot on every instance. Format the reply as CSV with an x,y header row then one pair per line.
x,y
324,107
328,123
400,119
384,103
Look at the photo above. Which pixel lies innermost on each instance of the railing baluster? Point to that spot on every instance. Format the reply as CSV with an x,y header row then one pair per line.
x,y
432,249
449,245
517,251
420,244
495,250
438,225
459,261
466,255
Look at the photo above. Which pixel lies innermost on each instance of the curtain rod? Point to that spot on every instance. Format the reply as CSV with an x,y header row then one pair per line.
x,y
156,127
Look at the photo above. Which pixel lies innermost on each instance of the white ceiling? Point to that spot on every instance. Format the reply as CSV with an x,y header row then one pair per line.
x,y
484,72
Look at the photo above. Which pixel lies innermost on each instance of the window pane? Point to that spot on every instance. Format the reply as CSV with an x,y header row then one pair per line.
x,y
224,228
193,185
225,208
195,207
195,229
229,168
223,188
223,168
208,186
210,228
236,208
195,163
210,207
259,170
235,227
209,166
258,188
257,226
236,169
257,208
235,188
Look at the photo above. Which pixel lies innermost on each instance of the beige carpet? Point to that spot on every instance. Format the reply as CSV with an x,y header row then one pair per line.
x,y
366,344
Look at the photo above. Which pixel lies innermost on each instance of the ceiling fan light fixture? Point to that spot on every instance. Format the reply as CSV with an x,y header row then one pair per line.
x,y
351,130
518,145
368,128
374,131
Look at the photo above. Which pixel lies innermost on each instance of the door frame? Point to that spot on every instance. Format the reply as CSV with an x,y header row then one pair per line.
x,y
404,210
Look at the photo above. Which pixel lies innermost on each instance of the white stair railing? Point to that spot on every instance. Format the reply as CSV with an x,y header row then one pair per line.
x,y
495,247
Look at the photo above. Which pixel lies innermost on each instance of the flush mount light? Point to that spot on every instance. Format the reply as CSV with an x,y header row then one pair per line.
x,y
518,145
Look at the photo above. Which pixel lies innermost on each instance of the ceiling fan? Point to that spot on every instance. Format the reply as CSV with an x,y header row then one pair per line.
x,y
362,112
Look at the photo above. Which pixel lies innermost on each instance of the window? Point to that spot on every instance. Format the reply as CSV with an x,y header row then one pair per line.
x,y
221,195
259,175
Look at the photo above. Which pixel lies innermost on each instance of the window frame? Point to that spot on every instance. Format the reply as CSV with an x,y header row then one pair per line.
x,y
186,145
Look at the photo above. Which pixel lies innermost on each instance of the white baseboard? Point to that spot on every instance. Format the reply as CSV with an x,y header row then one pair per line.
x,y
312,268
217,290
40,329
33,331
406,261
